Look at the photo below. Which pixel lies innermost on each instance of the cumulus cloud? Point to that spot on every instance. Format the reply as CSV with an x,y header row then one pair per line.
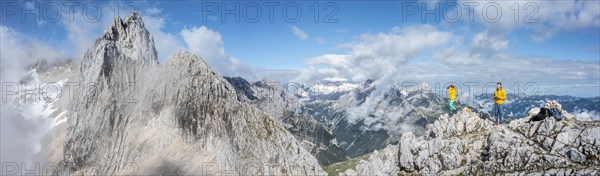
x,y
375,56
83,28
20,51
20,134
381,56
201,40
166,43
544,18
208,44
586,115
486,42
299,33
455,56
422,53
483,45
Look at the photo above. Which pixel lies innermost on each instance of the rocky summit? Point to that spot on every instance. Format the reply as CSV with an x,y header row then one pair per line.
x,y
136,116
466,144
131,115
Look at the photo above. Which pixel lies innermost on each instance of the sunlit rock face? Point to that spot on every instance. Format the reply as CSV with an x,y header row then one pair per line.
x,y
136,116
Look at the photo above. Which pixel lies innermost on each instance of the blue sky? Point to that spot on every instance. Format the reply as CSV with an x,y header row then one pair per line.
x,y
565,37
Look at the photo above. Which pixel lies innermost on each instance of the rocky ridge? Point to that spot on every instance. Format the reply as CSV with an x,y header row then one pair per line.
x,y
136,116
272,98
470,145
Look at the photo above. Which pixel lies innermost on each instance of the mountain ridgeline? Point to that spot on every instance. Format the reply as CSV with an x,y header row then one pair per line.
x,y
138,116
273,99
466,144
183,118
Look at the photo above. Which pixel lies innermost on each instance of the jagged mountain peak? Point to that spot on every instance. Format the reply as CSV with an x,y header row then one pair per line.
x,y
131,38
132,22
125,49
168,119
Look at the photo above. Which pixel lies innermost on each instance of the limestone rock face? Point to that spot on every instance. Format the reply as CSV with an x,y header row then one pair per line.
x,y
381,162
467,144
135,116
272,98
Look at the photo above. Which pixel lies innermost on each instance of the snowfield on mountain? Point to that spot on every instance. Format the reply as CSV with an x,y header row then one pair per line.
x,y
183,117
119,111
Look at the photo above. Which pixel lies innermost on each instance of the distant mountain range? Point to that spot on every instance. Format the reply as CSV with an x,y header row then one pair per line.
x,y
517,106
182,117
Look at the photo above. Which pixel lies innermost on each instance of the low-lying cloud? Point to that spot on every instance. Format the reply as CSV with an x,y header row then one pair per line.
x,y
20,134
423,53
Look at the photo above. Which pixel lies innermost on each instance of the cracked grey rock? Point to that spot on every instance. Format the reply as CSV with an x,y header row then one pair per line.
x,y
467,144
270,97
382,162
135,116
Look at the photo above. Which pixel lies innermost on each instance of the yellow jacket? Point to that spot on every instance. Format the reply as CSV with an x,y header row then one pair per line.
x,y
499,96
452,93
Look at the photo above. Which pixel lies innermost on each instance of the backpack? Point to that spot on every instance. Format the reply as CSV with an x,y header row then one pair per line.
x,y
544,112
556,114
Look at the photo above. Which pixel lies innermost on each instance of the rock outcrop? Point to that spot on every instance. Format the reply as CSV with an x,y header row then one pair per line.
x,y
378,163
272,98
135,116
468,144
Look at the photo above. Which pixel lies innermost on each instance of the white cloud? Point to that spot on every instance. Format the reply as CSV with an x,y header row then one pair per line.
x,y
299,33
544,18
153,11
166,43
381,56
586,115
377,55
83,29
204,42
208,45
19,51
330,59
482,47
388,58
484,41
81,34
542,34
454,56
20,135
313,74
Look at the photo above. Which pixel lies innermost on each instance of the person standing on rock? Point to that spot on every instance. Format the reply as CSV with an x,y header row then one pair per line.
x,y
499,96
451,98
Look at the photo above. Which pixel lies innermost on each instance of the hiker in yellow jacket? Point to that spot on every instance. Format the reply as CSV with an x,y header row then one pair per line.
x,y
499,96
451,98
